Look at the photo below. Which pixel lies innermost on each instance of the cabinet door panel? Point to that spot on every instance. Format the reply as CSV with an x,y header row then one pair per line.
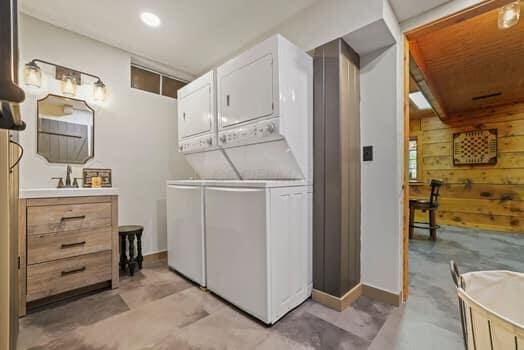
x,y
247,93
185,231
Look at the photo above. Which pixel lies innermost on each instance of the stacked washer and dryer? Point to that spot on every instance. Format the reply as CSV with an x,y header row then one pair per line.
x,y
244,230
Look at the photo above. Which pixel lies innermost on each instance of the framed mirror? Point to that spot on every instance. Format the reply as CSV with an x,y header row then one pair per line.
x,y
65,130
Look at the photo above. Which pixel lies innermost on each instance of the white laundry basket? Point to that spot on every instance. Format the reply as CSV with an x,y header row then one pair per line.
x,y
491,307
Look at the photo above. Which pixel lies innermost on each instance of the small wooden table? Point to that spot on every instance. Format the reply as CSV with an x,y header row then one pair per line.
x,y
131,232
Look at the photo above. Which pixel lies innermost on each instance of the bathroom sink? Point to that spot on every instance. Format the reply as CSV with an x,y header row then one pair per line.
x,y
66,192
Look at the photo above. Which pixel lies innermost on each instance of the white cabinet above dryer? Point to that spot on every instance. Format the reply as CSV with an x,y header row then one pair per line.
x,y
196,107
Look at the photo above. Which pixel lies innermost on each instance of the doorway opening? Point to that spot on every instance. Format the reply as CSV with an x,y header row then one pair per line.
x,y
464,155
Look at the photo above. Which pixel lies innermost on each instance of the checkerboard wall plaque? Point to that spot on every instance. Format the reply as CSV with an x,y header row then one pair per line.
x,y
475,147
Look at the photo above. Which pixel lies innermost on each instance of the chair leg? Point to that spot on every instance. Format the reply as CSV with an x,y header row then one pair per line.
x,y
433,225
411,221
123,258
132,260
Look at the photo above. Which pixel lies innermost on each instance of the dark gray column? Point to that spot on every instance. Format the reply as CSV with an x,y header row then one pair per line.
x,y
336,218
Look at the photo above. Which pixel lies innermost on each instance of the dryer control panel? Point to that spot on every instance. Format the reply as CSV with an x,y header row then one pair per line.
x,y
265,130
197,144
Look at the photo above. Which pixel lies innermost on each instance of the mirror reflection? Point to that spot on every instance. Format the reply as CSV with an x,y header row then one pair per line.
x,y
65,130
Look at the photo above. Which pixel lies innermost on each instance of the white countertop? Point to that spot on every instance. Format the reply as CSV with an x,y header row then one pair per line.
x,y
27,193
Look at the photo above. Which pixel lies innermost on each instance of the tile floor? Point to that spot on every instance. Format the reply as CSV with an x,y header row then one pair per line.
x,y
157,309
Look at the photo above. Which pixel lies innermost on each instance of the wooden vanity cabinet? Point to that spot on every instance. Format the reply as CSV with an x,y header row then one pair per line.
x,y
66,245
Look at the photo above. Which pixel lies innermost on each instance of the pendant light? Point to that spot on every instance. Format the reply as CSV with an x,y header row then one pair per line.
x,y
509,15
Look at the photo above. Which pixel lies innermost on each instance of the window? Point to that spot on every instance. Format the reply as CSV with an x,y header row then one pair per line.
x,y
413,160
156,83
170,86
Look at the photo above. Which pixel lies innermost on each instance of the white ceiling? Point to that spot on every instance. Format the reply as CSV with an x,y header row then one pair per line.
x,y
405,9
194,35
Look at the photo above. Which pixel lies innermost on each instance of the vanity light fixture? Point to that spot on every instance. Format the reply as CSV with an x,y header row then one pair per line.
x,y
150,19
509,15
70,78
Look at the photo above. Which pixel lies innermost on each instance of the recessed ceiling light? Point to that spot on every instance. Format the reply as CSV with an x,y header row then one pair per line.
x,y
150,19
509,15
419,100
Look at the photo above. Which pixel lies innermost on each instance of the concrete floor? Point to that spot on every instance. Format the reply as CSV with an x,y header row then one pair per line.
x,y
430,318
157,309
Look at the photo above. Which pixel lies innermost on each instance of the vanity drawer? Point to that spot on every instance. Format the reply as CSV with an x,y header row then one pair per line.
x,y
70,217
63,275
53,246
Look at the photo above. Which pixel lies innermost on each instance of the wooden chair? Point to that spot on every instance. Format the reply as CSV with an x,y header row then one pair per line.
x,y
430,206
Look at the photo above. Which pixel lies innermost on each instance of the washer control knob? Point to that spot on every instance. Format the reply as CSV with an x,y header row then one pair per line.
x,y
270,128
210,141
181,148
223,138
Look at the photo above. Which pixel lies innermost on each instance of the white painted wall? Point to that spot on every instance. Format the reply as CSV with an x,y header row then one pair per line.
x,y
135,131
381,126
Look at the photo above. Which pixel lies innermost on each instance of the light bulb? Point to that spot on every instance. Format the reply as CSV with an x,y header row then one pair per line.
x,y
68,85
99,90
32,75
509,15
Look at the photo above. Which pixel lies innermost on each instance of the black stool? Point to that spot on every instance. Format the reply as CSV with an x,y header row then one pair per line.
x,y
430,206
130,232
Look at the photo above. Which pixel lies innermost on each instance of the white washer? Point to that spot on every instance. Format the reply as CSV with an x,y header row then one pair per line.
x,y
258,246
185,229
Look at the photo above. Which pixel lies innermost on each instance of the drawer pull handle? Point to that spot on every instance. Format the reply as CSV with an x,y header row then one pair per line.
x,y
79,217
71,245
69,272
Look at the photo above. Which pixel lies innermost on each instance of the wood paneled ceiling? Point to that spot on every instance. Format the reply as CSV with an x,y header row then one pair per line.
x,y
473,64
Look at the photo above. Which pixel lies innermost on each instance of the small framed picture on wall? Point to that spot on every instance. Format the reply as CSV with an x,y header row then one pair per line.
x,y
97,177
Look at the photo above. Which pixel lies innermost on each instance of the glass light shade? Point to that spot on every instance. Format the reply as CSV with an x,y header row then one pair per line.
x,y
68,85
509,15
99,91
32,75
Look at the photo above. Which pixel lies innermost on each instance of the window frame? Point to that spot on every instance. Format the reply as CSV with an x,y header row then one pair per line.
x,y
418,167
162,76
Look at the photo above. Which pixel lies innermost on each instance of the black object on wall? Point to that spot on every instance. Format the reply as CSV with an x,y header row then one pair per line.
x,y
10,93
337,159
367,153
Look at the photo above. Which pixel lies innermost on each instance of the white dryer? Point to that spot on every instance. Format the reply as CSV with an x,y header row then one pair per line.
x,y
265,111
197,129
259,244
185,229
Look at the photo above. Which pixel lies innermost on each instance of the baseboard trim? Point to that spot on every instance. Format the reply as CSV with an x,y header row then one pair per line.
x,y
337,303
341,303
154,257
381,295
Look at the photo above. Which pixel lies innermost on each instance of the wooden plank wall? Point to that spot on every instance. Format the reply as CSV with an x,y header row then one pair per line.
x,y
483,197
